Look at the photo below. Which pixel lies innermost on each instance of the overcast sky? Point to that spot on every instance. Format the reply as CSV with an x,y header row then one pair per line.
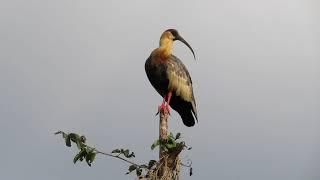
x,y
78,66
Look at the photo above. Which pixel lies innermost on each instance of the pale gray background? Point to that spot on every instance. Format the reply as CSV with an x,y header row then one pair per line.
x,y
78,65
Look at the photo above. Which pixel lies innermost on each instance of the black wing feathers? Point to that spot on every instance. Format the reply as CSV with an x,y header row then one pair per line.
x,y
185,106
173,75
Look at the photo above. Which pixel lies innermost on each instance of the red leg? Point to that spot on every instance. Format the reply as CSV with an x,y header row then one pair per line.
x,y
168,101
163,104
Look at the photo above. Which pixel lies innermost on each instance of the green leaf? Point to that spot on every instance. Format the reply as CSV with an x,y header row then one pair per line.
x,y
155,144
171,141
171,146
68,141
190,171
178,135
138,171
171,135
64,135
76,158
74,137
80,156
90,157
151,164
131,155
83,139
132,168
116,151
126,152
80,145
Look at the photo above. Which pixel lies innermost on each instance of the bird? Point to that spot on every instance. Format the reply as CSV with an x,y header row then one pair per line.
x,y
171,79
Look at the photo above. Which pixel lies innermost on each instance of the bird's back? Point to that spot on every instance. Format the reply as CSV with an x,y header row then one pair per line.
x,y
181,84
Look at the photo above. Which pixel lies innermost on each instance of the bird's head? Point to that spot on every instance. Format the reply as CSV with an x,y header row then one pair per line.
x,y
173,35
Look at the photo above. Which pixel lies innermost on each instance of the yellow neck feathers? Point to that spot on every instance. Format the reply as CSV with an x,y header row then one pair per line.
x,y
165,47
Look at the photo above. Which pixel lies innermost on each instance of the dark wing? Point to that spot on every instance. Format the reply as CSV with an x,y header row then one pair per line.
x,y
180,84
157,75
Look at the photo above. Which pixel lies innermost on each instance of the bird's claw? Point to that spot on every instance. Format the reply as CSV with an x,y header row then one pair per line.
x,y
168,109
165,108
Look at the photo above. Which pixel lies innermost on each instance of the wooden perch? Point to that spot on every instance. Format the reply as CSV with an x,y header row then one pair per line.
x,y
163,131
169,166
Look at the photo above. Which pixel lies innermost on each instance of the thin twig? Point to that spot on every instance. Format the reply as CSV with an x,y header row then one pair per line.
x,y
111,155
100,152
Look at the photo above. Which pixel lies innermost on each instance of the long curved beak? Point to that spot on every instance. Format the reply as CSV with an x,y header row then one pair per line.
x,y
185,42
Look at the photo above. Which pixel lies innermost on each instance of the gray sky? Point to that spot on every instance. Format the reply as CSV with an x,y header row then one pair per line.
x,y
78,66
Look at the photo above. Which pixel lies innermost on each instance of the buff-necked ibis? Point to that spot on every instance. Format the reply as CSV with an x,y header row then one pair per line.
x,y
169,76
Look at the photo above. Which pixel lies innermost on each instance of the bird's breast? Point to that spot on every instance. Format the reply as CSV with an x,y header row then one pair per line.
x,y
157,75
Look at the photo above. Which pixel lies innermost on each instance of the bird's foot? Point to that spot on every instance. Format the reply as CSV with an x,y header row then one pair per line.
x,y
164,107
167,108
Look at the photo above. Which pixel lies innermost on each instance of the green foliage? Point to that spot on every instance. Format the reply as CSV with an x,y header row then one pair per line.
x,y
88,153
170,144
90,156
155,144
138,171
125,152
80,156
151,164
132,168
137,168
178,135
85,152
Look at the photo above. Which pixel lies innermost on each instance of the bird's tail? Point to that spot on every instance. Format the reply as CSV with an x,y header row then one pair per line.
x,y
194,110
187,118
188,114
187,111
